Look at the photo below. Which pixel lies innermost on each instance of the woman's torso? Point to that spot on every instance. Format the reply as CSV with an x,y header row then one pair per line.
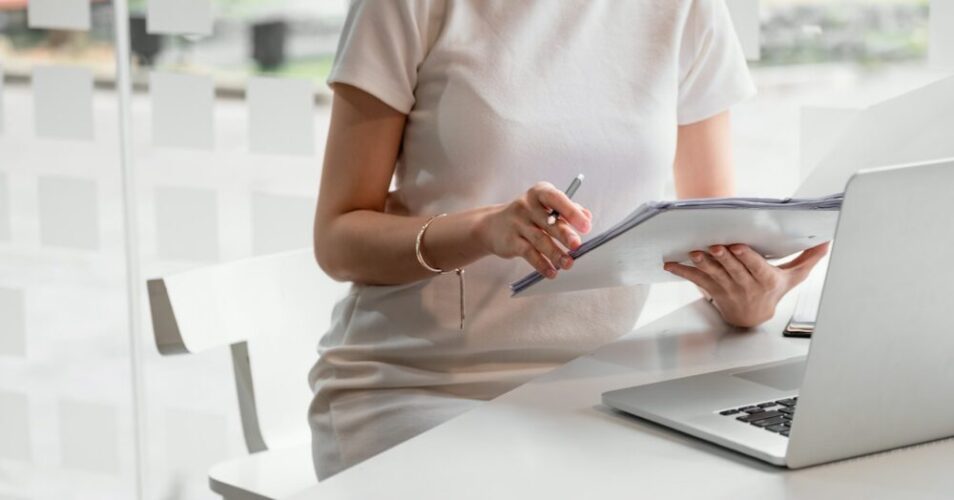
x,y
511,93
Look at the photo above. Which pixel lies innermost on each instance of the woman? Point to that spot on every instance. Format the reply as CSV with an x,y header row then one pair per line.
x,y
473,108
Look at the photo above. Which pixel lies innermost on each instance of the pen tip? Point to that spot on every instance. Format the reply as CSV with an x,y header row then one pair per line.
x,y
580,177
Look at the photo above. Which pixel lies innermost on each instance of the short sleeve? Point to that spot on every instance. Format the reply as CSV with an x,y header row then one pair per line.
x,y
713,74
382,45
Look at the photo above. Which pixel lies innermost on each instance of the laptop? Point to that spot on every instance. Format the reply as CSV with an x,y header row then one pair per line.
x,y
879,373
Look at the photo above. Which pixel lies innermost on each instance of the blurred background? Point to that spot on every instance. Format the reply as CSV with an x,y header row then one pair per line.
x,y
211,187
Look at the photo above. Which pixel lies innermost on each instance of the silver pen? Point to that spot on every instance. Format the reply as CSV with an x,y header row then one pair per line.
x,y
570,191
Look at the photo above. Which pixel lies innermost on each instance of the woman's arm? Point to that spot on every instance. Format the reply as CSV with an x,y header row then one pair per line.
x,y
743,286
355,240
704,167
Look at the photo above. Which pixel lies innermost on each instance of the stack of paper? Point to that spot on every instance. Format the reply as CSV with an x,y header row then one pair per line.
x,y
634,250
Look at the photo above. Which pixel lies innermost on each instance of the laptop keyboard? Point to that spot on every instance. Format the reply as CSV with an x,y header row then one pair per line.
x,y
773,416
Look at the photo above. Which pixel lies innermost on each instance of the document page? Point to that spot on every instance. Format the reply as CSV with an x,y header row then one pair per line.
x,y
634,250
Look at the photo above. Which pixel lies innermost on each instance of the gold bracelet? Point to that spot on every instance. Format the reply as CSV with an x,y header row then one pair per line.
x,y
419,250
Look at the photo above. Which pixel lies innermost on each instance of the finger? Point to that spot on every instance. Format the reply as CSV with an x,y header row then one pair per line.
x,y
808,258
545,245
732,265
553,199
561,230
758,267
586,211
710,266
689,273
543,266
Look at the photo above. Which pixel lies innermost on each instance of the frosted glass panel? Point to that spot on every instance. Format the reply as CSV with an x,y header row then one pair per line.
x,y
4,208
181,110
59,14
14,426
187,224
89,437
942,34
69,212
180,17
63,102
745,18
194,440
2,115
13,314
281,223
281,116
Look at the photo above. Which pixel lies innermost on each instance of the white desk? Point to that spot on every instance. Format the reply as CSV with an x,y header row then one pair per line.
x,y
551,438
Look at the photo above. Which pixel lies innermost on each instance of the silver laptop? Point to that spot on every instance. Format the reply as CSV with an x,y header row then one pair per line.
x,y
880,370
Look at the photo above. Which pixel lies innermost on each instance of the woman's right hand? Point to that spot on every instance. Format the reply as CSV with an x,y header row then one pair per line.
x,y
520,229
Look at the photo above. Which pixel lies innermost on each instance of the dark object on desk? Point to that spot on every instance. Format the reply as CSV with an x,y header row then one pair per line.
x,y
799,330
802,323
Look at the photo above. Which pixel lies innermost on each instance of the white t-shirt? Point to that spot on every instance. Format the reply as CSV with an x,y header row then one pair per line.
x,y
501,94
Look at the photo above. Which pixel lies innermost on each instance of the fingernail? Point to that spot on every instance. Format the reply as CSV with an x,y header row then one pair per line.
x,y
551,273
566,262
696,256
736,249
717,251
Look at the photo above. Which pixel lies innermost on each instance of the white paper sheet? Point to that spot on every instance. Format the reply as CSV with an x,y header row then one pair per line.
x,y
15,426
745,18
179,17
89,436
281,223
12,323
63,102
182,107
69,212
187,224
941,33
634,251
281,116
821,129
914,127
58,14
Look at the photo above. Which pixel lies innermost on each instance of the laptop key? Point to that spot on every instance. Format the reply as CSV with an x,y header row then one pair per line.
x,y
786,402
784,433
776,428
753,417
729,412
768,422
766,405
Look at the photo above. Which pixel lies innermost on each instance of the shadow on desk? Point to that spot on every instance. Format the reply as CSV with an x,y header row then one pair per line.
x,y
662,432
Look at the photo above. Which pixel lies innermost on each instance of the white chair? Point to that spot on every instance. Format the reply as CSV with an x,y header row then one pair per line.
x,y
270,311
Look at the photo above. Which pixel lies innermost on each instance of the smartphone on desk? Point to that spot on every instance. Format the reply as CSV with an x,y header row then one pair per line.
x,y
799,330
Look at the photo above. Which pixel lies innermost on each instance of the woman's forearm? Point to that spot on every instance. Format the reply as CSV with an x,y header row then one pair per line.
x,y
356,240
375,248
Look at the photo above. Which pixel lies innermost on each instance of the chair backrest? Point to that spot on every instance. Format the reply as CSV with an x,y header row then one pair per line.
x,y
271,311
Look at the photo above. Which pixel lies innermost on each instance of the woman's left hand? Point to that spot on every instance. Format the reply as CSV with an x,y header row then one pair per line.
x,y
743,286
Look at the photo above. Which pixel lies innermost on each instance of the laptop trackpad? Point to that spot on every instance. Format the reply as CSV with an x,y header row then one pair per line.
x,y
784,377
